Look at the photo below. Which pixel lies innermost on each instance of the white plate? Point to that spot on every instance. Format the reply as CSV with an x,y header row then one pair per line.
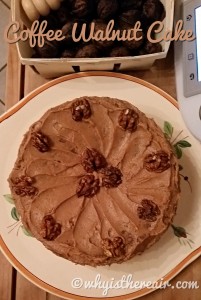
x,y
166,258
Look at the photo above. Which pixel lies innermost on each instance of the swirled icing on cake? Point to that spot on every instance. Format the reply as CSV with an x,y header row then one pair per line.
x,y
95,181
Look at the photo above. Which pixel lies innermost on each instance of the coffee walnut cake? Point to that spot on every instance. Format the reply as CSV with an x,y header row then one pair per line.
x,y
95,181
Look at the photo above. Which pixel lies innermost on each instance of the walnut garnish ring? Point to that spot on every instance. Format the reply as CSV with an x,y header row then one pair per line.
x,y
157,162
128,120
88,186
113,247
40,141
23,186
93,160
50,228
81,109
148,210
112,177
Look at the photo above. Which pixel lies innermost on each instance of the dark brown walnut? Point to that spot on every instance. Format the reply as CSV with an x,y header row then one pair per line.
x,y
81,109
136,42
40,141
157,162
81,8
23,186
53,22
129,17
151,48
131,4
67,31
154,10
68,53
49,50
88,51
50,228
112,177
148,210
63,13
101,26
119,51
106,9
23,180
25,191
92,160
113,247
88,186
128,120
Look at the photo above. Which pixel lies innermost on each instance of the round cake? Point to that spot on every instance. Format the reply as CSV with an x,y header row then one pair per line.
x,y
95,181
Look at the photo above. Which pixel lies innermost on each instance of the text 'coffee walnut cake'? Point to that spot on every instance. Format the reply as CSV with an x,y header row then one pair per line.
x,y
96,181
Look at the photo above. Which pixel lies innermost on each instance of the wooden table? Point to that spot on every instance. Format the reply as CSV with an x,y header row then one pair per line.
x,y
22,80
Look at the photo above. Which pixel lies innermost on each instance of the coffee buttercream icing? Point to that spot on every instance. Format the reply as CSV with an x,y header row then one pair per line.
x,y
96,181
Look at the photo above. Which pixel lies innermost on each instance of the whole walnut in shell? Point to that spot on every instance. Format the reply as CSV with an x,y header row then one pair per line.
x,y
49,50
151,48
68,28
53,22
101,26
154,10
67,32
68,53
129,17
106,9
134,44
81,8
87,51
63,13
119,51
131,4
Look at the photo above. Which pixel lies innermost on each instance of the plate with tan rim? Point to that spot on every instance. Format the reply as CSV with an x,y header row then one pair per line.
x,y
177,248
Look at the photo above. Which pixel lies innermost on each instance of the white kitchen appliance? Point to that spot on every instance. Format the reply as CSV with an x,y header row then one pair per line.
x,y
188,65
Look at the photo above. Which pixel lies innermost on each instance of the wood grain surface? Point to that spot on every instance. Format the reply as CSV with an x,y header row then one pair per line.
x,y
21,81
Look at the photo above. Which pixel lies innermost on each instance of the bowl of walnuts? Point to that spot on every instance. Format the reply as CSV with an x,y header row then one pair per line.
x,y
94,34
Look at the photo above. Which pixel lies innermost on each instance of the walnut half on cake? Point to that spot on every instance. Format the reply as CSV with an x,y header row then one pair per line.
x,y
96,181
